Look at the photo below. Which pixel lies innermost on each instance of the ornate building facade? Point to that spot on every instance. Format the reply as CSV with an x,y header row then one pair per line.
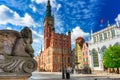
x,y
78,53
100,41
85,55
57,47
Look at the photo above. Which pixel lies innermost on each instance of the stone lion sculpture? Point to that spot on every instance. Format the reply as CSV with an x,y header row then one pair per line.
x,y
16,52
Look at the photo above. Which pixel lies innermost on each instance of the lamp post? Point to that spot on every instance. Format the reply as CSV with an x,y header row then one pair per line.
x,y
63,75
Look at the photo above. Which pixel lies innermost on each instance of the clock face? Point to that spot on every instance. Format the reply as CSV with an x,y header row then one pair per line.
x,y
50,22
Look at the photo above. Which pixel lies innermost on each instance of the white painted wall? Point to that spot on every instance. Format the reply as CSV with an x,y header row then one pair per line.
x,y
99,45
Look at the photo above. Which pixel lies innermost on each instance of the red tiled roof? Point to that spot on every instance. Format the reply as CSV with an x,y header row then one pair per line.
x,y
78,38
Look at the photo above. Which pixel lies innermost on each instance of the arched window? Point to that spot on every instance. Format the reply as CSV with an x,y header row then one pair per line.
x,y
101,37
117,44
94,39
113,33
95,58
102,51
105,36
108,34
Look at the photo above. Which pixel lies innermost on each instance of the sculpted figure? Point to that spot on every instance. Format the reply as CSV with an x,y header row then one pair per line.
x,y
23,45
16,52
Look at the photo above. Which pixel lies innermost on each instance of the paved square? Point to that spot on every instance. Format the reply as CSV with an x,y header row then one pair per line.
x,y
58,76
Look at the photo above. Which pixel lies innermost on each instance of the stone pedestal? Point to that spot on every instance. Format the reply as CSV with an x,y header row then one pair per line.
x,y
12,76
17,68
24,78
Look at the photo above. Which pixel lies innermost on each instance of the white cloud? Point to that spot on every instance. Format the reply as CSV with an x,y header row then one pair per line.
x,y
32,0
76,32
9,28
37,38
9,16
118,17
41,1
58,6
52,2
37,42
45,1
33,7
86,11
37,34
59,29
59,24
93,0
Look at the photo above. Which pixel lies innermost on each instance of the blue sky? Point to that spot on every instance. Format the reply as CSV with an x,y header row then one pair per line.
x,y
80,16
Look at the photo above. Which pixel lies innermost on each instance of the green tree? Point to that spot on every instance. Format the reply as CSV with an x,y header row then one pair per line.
x,y
111,57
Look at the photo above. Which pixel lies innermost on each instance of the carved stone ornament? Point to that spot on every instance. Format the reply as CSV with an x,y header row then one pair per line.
x,y
16,52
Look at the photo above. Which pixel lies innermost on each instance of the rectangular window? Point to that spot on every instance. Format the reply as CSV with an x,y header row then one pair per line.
x,y
83,60
57,50
101,37
60,59
65,59
113,33
86,53
87,59
84,47
95,60
79,57
56,59
105,36
94,39
97,38
68,60
48,60
108,34
83,53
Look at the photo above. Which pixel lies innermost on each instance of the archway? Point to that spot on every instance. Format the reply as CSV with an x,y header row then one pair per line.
x,y
101,55
117,44
102,51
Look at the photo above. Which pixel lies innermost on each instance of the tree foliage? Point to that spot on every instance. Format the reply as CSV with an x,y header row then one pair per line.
x,y
111,57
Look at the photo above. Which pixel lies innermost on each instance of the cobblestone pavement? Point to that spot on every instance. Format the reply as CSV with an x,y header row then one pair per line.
x,y
58,76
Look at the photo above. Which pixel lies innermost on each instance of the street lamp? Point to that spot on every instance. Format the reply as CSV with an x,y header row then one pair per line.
x,y
63,74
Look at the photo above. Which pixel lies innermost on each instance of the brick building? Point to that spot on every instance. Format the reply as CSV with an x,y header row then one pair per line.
x,y
57,47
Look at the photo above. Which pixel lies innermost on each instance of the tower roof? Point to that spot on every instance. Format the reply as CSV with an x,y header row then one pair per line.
x,y
48,9
48,3
69,31
78,38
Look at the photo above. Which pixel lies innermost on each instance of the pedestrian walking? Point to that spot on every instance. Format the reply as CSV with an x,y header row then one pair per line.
x,y
68,73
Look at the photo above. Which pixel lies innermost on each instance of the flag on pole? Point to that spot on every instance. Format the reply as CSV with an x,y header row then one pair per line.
x,y
102,20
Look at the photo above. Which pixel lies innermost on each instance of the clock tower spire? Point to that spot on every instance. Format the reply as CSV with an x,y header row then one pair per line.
x,y
48,26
